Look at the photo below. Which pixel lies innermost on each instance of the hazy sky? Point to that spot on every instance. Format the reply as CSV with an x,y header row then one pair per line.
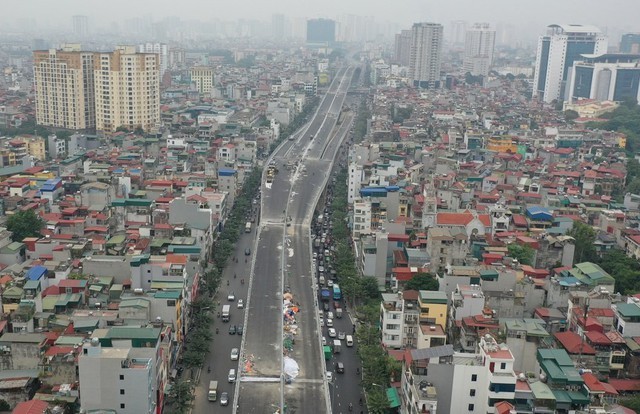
x,y
618,14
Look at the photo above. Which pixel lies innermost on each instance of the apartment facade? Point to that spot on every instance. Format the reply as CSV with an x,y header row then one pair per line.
x,y
478,49
426,54
127,89
64,87
202,76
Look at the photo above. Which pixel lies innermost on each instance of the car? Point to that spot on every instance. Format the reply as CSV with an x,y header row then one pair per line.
x,y
332,333
321,321
341,335
231,297
232,375
315,255
339,367
235,354
224,398
247,251
232,330
240,304
325,306
240,329
324,341
330,323
329,376
330,283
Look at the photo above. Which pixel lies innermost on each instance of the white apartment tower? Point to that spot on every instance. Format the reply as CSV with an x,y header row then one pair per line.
x,y
479,43
63,82
111,379
127,89
162,49
426,54
557,51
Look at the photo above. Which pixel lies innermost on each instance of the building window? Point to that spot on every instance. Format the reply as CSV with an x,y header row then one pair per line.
x,y
122,406
121,392
121,377
474,377
472,393
471,407
503,365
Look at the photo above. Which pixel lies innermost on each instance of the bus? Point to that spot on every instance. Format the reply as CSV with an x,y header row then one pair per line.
x,y
337,295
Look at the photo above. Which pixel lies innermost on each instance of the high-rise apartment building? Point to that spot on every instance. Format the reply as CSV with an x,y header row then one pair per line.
x,y
630,43
202,76
457,32
321,32
563,45
162,49
127,89
64,88
479,43
80,26
426,54
608,77
278,24
402,50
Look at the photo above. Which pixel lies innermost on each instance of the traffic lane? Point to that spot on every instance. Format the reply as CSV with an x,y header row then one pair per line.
x,y
259,397
348,389
306,190
263,343
274,199
219,357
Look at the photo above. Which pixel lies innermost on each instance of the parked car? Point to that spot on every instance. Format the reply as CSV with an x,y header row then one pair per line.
x,y
235,354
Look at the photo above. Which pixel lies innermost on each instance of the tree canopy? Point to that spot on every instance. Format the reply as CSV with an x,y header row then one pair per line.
x,y
523,253
584,236
24,224
422,281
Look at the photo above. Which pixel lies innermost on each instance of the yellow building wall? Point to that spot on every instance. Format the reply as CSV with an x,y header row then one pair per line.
x,y
435,311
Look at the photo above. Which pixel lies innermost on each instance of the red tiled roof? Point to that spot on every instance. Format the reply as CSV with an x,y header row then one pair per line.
x,y
572,343
625,384
31,407
454,219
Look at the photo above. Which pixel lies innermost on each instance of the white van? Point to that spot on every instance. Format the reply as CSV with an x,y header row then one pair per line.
x,y
232,375
329,315
349,340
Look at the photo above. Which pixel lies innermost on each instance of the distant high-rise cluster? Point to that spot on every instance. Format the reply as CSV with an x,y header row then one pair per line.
x,y
78,89
80,27
278,26
425,55
321,32
557,51
478,49
402,53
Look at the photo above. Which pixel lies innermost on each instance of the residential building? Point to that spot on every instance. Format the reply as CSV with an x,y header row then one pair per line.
x,y
321,32
64,88
402,48
202,76
426,55
479,43
161,49
113,379
127,89
630,43
557,51
433,307
80,27
608,77
34,145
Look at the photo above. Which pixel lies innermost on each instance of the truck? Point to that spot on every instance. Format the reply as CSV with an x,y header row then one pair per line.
x,y
338,313
226,309
247,227
325,294
337,346
213,391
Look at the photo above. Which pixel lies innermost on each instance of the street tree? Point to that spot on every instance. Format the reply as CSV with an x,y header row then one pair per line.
x,y
377,402
181,396
24,224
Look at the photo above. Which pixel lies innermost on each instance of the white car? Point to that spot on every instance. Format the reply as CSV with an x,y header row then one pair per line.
x,y
330,323
329,376
341,335
330,283
235,354
240,304
332,333
231,297
324,341
321,321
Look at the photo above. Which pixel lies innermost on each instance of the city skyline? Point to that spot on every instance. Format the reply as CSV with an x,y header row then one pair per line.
x,y
532,22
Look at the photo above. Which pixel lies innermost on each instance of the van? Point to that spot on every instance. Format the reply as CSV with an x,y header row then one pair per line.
x,y
349,340
339,367
321,280
232,375
329,315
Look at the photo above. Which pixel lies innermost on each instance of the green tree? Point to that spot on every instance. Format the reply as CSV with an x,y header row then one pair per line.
x,y
24,224
4,406
632,402
624,269
377,401
422,281
181,397
584,236
570,115
525,254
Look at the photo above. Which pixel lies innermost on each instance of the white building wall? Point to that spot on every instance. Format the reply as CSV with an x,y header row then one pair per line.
x,y
463,383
